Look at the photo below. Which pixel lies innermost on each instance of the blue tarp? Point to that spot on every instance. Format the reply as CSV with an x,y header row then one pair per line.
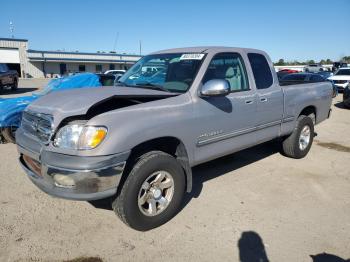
x,y
11,108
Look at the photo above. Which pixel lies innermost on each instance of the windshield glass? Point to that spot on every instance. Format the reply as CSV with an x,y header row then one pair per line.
x,y
167,72
343,72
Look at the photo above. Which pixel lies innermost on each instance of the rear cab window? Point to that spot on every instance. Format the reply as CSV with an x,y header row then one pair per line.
x,y
261,70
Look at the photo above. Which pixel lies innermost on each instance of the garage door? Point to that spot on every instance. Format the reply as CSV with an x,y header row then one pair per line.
x,y
8,55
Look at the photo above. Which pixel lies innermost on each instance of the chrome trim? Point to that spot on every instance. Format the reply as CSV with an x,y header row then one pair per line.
x,y
274,123
288,119
38,126
225,136
241,132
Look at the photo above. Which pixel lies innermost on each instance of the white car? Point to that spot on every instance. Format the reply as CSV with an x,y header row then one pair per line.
x,y
115,72
313,68
341,78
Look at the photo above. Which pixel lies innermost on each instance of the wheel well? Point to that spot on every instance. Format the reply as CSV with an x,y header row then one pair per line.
x,y
170,145
307,111
165,144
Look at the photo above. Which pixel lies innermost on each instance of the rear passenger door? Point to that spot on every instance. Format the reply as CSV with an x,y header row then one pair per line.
x,y
269,98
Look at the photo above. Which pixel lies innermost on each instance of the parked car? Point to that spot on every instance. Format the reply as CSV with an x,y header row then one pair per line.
x,y
114,72
301,78
8,78
137,143
346,97
341,78
313,68
337,65
11,109
117,73
283,72
325,74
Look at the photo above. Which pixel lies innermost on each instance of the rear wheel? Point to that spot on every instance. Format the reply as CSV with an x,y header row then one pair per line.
x,y
152,193
298,144
9,134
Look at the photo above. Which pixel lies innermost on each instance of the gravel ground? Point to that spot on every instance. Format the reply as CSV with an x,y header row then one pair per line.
x,y
249,205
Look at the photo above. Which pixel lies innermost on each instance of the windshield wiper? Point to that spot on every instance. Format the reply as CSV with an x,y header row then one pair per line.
x,y
152,86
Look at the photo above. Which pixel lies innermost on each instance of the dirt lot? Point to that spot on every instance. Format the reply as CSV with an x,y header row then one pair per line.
x,y
255,203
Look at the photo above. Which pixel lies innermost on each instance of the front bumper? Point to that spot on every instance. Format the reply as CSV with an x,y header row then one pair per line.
x,y
91,182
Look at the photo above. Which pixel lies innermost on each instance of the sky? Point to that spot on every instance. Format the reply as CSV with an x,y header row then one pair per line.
x,y
292,30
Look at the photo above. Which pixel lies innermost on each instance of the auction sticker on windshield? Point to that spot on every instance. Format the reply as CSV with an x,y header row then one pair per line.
x,y
192,57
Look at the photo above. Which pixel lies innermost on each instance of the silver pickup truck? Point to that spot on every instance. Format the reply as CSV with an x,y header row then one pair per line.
x,y
136,142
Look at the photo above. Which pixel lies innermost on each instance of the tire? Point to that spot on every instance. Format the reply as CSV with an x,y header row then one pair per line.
x,y
294,145
9,134
128,203
14,85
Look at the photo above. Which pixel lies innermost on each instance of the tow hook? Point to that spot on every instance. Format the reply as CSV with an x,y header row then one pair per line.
x,y
315,134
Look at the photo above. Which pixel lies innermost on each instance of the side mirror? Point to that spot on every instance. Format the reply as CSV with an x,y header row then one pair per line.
x,y
215,87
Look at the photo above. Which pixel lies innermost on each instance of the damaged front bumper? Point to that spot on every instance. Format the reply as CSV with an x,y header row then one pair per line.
x,y
74,177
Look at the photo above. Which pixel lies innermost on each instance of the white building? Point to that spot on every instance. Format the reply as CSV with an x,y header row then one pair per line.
x,y
35,63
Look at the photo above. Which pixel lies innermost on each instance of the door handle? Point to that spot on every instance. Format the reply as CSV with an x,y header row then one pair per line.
x,y
264,99
249,102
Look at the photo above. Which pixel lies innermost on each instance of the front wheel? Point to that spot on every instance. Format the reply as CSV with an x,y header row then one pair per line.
x,y
298,144
9,134
152,193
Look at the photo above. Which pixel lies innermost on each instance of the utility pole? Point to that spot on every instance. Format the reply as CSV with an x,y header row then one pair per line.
x,y
12,29
140,48
116,42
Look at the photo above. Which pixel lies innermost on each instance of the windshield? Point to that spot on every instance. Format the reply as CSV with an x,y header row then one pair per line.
x,y
167,72
343,72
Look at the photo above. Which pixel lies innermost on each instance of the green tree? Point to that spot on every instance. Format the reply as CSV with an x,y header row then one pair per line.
x,y
310,61
280,62
346,59
329,61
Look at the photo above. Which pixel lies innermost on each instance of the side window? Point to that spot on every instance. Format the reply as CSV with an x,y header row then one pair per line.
x,y
228,66
261,70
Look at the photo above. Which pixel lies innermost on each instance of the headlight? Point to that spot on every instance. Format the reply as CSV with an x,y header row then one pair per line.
x,y
80,137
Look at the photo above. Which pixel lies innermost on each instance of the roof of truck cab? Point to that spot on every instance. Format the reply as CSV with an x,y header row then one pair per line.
x,y
208,49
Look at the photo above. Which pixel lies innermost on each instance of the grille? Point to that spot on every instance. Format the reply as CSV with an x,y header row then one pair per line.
x,y
340,81
37,125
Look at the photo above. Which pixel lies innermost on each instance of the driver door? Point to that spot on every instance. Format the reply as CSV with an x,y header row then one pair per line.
x,y
225,124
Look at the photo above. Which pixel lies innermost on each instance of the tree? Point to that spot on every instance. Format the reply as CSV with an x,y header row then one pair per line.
x,y
280,62
346,59
310,61
329,61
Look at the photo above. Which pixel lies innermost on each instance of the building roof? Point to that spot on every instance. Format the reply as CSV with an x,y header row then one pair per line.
x,y
61,56
79,53
13,39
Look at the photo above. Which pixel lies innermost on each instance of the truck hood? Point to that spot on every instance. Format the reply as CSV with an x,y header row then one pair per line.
x,y
80,102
